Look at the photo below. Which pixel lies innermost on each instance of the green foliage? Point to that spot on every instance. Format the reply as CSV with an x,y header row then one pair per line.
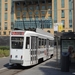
x,y
4,47
4,51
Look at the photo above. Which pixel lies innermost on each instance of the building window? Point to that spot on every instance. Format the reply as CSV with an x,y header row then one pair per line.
x,y
0,23
0,28
62,3
18,13
18,18
36,2
6,16
49,1
31,8
55,11
18,8
43,1
6,0
6,6
50,17
49,7
55,21
0,33
24,18
5,27
12,25
43,7
36,12
4,33
9,32
37,17
11,28
24,4
25,8
18,3
43,17
30,13
70,18
63,21
70,4
63,14
49,12
37,7
42,12
24,14
30,17
70,26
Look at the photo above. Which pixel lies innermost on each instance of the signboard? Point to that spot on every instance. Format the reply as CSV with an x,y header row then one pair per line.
x,y
66,44
55,26
17,33
58,27
69,46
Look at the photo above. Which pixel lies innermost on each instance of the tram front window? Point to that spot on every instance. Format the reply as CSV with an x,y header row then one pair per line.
x,y
17,42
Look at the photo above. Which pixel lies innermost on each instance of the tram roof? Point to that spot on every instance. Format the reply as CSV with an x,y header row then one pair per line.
x,y
38,30
43,32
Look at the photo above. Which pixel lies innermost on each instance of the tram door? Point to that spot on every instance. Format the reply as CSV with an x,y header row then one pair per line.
x,y
34,46
47,41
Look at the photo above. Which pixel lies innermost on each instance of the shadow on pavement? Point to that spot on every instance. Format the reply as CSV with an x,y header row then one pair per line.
x,y
6,65
53,71
17,66
54,68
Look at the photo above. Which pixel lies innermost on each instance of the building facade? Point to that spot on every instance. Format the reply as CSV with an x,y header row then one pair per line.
x,y
25,14
5,17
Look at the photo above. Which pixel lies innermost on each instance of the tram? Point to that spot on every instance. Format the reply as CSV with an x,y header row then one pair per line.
x,y
29,48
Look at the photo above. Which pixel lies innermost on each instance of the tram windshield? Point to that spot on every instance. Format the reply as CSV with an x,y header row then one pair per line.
x,y
17,42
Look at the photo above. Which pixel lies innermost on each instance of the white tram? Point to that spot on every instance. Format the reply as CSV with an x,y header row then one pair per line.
x,y
29,48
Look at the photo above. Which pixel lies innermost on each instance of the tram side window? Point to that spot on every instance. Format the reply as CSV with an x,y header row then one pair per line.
x,y
42,43
27,42
51,43
45,43
39,42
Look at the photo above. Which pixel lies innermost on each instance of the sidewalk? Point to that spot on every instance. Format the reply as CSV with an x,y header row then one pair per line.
x,y
49,67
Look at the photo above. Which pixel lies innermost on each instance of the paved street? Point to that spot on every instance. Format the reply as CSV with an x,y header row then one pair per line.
x,y
4,62
49,67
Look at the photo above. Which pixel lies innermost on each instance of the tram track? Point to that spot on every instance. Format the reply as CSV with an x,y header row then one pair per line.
x,y
11,70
